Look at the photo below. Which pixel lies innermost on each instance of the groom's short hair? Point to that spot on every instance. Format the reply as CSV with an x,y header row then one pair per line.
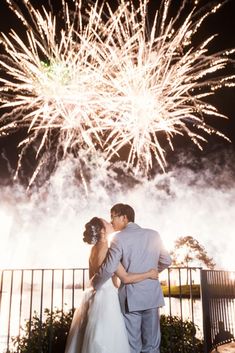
x,y
122,209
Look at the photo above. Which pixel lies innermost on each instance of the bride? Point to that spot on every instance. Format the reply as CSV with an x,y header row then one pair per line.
x,y
98,325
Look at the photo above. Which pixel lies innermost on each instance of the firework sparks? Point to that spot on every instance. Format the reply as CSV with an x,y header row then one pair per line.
x,y
56,91
160,81
109,81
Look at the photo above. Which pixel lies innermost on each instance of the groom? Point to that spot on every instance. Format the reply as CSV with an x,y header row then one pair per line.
x,y
138,249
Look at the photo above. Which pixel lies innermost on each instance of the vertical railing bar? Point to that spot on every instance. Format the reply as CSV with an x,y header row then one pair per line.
x,y
41,310
231,320
231,302
180,298
230,326
169,291
170,308
205,309
52,289
9,313
231,315
228,284
21,302
62,299
226,302
31,302
233,310
42,290
214,307
223,300
191,295
213,315
218,303
52,304
204,316
73,290
1,292
191,299
212,304
180,294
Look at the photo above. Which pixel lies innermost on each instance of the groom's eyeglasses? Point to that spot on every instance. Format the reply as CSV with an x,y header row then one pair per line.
x,y
114,216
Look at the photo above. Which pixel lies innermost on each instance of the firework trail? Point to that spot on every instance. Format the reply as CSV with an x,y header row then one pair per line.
x,y
102,79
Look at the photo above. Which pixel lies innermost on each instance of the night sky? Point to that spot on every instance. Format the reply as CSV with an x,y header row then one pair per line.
x,y
221,23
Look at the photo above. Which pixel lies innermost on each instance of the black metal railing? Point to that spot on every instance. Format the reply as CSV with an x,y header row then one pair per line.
x,y
24,292
218,299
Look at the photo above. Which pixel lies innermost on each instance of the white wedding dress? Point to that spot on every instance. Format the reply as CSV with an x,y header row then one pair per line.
x,y
98,325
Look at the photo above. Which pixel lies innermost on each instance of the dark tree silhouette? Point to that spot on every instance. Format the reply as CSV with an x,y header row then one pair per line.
x,y
189,252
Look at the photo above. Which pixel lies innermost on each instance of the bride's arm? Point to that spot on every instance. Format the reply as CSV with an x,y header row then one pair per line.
x,y
126,277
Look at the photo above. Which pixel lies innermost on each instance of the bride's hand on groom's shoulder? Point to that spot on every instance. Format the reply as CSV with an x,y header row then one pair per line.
x,y
153,273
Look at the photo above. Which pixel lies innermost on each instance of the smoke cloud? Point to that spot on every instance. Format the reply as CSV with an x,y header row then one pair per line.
x,y
44,228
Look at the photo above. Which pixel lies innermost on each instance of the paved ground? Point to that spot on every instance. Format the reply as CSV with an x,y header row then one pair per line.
x,y
227,348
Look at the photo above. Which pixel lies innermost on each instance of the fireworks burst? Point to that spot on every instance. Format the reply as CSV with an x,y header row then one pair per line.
x,y
104,79
53,80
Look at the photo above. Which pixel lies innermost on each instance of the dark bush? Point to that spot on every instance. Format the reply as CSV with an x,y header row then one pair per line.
x,y
50,335
47,336
179,336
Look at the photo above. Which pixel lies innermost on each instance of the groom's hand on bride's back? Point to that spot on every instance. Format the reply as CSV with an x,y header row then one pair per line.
x,y
153,273
91,284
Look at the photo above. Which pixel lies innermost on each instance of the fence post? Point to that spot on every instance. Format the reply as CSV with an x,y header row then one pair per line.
x,y
205,311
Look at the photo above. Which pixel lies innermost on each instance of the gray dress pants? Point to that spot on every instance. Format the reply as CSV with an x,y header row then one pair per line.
x,y
143,328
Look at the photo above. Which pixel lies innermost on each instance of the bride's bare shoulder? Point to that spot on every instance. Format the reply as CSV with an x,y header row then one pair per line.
x,y
98,254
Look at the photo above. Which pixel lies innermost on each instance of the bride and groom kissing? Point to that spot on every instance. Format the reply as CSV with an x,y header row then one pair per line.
x,y
119,312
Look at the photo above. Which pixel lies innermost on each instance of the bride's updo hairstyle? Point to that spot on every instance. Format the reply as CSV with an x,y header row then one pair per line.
x,y
92,231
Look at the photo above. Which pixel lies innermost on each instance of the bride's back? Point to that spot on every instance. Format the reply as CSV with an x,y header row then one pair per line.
x,y
97,256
